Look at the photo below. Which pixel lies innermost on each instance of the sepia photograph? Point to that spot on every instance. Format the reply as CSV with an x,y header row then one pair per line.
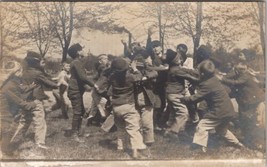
x,y
132,83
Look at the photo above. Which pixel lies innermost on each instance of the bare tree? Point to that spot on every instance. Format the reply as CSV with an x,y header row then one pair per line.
x,y
187,20
40,29
61,17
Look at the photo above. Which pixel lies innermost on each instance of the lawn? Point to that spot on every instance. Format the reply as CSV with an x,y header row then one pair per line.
x,y
101,146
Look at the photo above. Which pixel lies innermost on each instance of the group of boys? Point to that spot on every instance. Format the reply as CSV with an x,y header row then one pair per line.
x,y
146,89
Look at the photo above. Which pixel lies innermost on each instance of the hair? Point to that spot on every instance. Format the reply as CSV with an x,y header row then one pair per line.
x,y
73,50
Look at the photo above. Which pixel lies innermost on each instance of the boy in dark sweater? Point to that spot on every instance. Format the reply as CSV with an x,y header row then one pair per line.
x,y
77,82
126,117
34,73
220,108
12,101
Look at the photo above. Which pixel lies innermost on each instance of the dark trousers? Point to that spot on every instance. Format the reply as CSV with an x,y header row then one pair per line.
x,y
76,98
159,116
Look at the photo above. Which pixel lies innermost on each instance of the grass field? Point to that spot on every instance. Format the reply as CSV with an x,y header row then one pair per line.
x,y
101,146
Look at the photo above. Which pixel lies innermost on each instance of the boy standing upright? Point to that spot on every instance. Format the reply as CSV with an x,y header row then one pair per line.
x,y
78,80
126,117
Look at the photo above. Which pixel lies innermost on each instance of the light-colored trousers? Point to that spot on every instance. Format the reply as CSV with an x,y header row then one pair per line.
x,y
127,118
98,104
220,125
178,113
37,117
147,124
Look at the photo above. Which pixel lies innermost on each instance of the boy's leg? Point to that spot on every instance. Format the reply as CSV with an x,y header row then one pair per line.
x,y
93,109
147,124
76,99
131,118
56,94
23,126
39,122
202,131
222,130
181,113
64,107
109,123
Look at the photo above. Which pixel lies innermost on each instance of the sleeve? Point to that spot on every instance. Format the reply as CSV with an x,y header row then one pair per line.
x,y
26,88
230,75
203,91
136,76
127,51
186,74
82,75
158,68
46,81
148,45
235,82
151,74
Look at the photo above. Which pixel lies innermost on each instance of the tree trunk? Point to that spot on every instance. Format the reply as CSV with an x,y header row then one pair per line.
x,y
261,25
1,38
64,54
129,39
159,24
196,38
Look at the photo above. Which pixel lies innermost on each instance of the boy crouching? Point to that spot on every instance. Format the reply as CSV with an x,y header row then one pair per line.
x,y
220,108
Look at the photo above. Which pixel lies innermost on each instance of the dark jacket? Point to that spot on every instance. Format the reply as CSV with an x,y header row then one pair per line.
x,y
144,95
78,77
37,76
102,81
12,98
176,79
248,91
219,103
123,87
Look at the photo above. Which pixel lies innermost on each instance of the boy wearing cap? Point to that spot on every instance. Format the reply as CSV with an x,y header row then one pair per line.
x,y
77,82
175,89
34,73
220,108
126,117
12,101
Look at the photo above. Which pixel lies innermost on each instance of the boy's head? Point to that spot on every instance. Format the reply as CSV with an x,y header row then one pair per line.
x,y
103,59
66,67
202,53
206,69
241,68
156,47
182,49
119,65
172,58
34,59
75,51
140,62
